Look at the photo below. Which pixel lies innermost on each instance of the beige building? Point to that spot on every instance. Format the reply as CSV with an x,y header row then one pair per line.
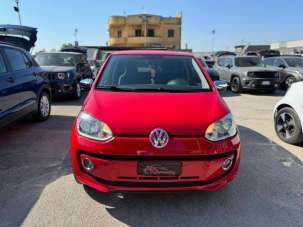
x,y
288,47
145,30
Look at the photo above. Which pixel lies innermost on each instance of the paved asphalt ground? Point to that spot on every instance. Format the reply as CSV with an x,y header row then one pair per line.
x,y
38,189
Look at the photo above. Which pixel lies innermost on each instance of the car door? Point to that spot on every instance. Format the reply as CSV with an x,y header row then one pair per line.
x,y
8,97
24,78
220,67
228,64
224,70
282,65
6,89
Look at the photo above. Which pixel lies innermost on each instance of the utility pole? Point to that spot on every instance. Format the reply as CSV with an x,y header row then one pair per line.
x,y
213,33
17,9
76,37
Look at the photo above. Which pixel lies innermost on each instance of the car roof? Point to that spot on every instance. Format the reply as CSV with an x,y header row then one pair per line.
x,y
152,52
62,52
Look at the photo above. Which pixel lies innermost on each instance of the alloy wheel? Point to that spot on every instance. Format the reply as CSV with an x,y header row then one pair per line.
x,y
44,106
78,90
289,81
235,86
286,125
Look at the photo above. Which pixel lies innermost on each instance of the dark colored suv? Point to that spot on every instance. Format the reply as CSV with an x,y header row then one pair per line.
x,y
64,71
23,90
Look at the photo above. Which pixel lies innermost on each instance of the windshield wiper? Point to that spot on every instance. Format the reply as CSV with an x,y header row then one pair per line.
x,y
115,88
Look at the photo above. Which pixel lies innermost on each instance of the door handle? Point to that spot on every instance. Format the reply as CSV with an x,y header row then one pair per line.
x,y
10,80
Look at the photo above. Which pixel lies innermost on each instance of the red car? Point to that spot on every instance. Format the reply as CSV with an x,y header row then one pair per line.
x,y
154,121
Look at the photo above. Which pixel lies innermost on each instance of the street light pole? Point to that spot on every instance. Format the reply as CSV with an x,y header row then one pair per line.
x,y
213,32
76,37
17,9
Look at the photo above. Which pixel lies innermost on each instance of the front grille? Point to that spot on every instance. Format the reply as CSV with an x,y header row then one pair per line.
x,y
52,76
265,74
164,178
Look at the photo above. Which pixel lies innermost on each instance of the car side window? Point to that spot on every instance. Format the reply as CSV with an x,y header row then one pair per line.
x,y
2,65
269,61
278,63
221,62
16,59
27,61
228,62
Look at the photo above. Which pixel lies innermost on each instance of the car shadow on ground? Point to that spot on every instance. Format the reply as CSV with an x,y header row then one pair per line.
x,y
267,192
32,155
229,93
69,101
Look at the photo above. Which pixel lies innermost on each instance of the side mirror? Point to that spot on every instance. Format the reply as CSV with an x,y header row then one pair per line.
x,y
282,66
221,85
86,84
228,66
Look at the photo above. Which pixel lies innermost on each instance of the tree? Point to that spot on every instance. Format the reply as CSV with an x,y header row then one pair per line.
x,y
67,45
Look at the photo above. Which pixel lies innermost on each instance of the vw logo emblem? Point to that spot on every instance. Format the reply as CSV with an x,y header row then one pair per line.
x,y
159,138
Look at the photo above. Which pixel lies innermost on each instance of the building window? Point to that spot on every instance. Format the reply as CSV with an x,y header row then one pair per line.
x,y
138,32
151,32
119,33
171,33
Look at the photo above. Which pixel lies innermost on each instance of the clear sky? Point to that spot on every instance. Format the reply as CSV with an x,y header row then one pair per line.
x,y
235,21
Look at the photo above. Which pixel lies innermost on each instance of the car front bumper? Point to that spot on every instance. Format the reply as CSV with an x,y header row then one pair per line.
x,y
115,163
61,88
259,84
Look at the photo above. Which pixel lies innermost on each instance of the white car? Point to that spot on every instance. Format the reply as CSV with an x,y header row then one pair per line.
x,y
288,115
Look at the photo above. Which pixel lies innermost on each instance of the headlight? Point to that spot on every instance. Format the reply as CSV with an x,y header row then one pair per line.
x,y
92,128
250,74
221,129
62,76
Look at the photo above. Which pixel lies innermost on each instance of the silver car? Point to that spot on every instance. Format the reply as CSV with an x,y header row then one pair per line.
x,y
247,73
291,68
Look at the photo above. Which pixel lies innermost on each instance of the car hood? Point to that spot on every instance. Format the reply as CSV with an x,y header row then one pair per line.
x,y
295,69
257,69
20,36
57,69
137,114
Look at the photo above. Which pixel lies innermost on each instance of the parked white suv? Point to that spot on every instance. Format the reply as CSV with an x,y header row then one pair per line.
x,y
288,115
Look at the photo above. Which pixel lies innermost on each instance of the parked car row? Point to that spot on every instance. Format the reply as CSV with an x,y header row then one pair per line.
x,y
247,73
64,70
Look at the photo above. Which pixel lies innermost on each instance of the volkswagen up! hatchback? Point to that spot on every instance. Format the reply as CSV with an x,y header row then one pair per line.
x,y
154,121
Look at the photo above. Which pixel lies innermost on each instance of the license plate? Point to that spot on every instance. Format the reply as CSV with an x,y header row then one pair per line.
x,y
265,82
156,168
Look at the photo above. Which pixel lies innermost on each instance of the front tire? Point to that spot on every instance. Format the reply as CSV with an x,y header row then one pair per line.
x,y
289,81
235,85
44,107
77,91
288,126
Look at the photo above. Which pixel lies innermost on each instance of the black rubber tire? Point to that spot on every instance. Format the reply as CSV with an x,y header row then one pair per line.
x,y
76,93
39,115
235,84
289,78
297,136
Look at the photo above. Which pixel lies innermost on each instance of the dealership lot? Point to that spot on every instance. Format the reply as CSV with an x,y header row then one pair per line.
x,y
37,187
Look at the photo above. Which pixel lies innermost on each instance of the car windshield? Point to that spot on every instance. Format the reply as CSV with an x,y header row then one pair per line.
x,y
91,53
248,61
294,62
58,59
153,73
